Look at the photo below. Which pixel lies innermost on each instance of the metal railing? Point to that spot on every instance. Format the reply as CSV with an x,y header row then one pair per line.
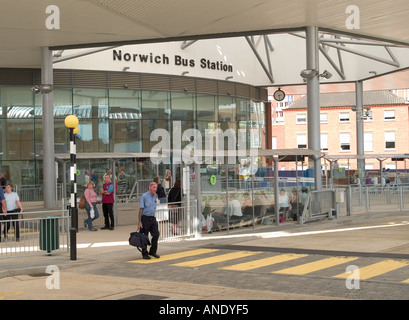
x,y
320,204
34,233
177,222
376,198
174,222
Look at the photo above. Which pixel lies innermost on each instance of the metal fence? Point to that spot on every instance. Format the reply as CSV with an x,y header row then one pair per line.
x,y
376,198
332,203
320,204
33,233
174,222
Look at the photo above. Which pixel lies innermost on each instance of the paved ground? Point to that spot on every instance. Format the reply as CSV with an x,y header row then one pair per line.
x,y
268,263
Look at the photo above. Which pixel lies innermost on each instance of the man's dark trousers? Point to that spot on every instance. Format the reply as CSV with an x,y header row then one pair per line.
x,y
149,224
107,209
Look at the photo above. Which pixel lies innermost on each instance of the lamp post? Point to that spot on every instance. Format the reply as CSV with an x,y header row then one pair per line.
x,y
71,122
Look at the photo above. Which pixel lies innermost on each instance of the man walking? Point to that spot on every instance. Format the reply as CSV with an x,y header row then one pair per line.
x,y
147,221
107,192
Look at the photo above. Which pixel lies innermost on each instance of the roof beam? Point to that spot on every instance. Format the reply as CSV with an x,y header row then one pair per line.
x,y
252,46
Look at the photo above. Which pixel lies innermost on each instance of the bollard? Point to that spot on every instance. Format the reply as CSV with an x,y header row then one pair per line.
x,y
73,244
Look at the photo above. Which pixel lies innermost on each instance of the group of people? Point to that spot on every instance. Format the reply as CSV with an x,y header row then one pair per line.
x,y
291,208
147,222
107,192
10,209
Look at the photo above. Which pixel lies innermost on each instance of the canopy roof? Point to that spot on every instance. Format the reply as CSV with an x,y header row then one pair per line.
x,y
368,156
25,25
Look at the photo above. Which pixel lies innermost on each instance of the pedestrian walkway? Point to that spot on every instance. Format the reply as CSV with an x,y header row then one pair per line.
x,y
379,240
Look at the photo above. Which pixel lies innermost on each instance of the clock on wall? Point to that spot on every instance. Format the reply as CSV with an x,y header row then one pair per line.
x,y
279,95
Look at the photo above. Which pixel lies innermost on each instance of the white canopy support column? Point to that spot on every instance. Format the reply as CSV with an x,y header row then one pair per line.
x,y
360,128
46,88
313,98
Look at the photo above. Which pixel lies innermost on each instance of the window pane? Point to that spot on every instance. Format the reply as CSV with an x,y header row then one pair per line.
x,y
155,105
389,114
301,118
91,108
368,141
324,142
227,109
183,106
301,141
206,105
344,140
390,140
344,117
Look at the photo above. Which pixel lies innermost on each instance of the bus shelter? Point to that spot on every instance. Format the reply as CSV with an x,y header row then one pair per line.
x,y
335,168
144,169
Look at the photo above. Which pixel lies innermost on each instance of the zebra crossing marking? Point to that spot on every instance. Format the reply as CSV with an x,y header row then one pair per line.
x,y
216,259
366,272
254,264
376,269
316,265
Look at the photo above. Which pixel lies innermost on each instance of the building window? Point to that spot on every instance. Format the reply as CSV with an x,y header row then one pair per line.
x,y
389,115
273,142
301,118
391,166
344,117
344,140
368,146
324,142
323,118
301,141
390,140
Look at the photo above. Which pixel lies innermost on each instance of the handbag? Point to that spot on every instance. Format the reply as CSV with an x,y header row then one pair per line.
x,y
139,240
81,205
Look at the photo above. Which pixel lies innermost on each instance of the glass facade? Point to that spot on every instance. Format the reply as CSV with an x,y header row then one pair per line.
x,y
115,120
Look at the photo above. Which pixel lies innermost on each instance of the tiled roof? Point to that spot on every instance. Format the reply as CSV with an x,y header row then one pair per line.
x,y
347,99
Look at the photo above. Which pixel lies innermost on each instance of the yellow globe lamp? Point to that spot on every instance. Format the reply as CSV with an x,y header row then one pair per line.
x,y
76,130
71,121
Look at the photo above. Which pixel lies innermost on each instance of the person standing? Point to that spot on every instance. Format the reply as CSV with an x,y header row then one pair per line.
x,y
3,209
174,200
147,221
168,180
2,181
91,203
13,206
107,192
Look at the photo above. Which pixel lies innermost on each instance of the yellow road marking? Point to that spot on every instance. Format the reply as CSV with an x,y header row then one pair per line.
x,y
173,256
6,294
219,258
316,265
263,262
376,269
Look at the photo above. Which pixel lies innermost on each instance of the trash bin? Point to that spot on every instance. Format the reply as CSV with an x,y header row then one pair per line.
x,y
49,234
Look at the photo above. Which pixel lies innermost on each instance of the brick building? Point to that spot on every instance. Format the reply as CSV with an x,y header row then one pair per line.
x,y
386,127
